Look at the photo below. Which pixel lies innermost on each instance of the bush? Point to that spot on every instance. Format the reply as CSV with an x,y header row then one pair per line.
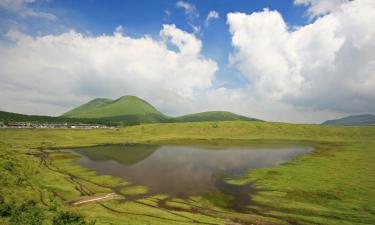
x,y
53,204
9,166
27,213
5,208
70,218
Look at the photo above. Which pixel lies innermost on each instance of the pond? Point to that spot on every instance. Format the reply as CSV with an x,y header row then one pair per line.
x,y
182,171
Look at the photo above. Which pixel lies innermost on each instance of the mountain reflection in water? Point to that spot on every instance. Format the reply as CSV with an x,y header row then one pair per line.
x,y
180,171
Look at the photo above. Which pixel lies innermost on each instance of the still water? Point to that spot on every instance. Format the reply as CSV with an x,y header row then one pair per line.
x,y
181,171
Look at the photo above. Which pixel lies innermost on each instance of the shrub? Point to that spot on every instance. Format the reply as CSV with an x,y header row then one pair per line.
x,y
53,204
5,208
27,213
9,166
70,218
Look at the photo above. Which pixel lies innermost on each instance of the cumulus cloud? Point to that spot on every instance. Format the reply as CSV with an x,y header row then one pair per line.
x,y
321,7
211,16
189,8
20,7
55,72
325,65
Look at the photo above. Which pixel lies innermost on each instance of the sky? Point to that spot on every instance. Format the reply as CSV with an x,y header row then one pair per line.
x,y
300,61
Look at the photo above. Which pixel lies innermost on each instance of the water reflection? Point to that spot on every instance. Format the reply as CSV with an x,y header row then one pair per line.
x,y
180,171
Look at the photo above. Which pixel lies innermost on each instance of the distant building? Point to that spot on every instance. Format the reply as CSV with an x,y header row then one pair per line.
x,y
88,126
19,125
54,125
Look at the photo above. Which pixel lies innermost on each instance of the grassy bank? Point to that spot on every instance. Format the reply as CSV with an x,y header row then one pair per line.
x,y
333,185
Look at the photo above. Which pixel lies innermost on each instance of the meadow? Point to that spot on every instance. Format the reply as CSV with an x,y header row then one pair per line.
x,y
333,185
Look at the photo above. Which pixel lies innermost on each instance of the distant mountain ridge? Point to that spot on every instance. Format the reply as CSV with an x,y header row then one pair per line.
x,y
136,110
354,120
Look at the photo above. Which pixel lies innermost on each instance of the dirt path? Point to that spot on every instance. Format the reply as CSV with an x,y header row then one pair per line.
x,y
106,197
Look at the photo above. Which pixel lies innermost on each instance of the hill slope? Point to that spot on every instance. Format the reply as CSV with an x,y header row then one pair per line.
x,y
212,116
124,108
91,105
357,120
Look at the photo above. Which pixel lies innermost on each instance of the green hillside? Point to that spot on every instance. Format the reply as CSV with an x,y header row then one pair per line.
x,y
134,110
119,108
91,105
356,120
212,116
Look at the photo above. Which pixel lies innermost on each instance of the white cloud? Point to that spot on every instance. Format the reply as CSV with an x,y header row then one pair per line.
x,y
320,7
196,29
325,65
119,30
60,71
189,8
191,13
211,16
14,4
167,13
21,8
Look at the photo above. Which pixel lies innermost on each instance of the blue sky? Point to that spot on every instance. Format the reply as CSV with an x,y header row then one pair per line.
x,y
294,61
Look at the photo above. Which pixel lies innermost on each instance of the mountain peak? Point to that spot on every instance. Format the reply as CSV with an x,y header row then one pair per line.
x,y
130,98
102,108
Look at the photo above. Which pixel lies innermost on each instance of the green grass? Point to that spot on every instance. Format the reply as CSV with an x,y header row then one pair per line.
x,y
333,185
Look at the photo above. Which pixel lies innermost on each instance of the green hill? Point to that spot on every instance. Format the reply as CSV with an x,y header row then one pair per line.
x,y
134,110
126,108
356,120
212,116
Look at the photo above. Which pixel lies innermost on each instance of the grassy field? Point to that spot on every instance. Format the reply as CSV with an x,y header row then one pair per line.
x,y
333,185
